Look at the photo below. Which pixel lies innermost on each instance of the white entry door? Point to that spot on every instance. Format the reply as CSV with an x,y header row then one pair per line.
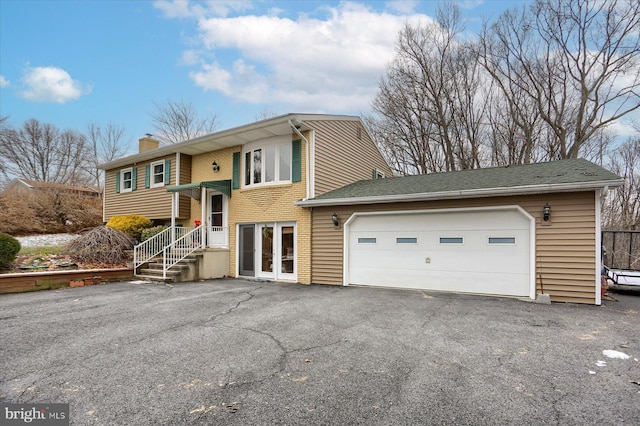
x,y
476,251
217,224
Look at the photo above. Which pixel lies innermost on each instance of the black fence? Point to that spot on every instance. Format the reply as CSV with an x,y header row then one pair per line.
x,y
621,250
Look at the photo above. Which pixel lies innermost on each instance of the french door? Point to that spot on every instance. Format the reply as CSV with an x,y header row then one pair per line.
x,y
275,250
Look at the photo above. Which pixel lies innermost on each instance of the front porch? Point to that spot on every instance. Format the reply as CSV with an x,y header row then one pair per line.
x,y
182,253
173,251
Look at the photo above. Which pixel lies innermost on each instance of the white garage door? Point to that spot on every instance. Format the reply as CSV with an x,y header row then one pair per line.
x,y
478,251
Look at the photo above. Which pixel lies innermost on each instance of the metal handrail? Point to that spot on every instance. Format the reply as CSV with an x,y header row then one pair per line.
x,y
180,248
149,249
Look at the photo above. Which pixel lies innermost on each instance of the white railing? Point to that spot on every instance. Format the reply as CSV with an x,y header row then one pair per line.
x,y
217,236
180,249
176,243
147,250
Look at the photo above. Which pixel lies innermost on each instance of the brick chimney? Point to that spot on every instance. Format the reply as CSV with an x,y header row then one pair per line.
x,y
147,143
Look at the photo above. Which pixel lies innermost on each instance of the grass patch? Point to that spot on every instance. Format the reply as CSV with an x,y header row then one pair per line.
x,y
44,251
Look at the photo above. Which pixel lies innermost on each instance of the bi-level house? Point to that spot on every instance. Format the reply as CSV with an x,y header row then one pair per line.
x,y
298,198
230,196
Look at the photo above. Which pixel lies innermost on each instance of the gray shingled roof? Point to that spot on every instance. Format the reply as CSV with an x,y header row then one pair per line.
x,y
562,175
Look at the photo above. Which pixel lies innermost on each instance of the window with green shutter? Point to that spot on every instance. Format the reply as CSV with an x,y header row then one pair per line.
x,y
125,180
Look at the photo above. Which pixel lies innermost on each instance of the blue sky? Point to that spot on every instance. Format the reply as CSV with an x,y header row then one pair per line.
x,y
71,63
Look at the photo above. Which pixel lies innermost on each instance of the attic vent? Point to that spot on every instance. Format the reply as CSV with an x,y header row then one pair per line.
x,y
589,173
359,132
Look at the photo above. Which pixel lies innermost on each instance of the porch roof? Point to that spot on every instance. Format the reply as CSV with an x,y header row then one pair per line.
x,y
194,190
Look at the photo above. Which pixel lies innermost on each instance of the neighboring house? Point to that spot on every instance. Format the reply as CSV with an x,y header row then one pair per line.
x,y
27,186
515,231
241,185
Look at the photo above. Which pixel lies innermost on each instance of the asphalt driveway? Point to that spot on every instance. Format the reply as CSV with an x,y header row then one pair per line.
x,y
245,353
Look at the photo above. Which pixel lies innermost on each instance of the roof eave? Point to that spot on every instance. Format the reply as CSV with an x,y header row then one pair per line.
x,y
466,193
213,137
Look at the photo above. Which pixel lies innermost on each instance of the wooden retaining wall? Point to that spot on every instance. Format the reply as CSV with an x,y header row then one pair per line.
x,y
33,281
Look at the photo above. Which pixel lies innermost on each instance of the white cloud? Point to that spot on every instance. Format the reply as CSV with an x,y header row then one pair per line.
x,y
185,9
4,82
51,84
402,6
332,63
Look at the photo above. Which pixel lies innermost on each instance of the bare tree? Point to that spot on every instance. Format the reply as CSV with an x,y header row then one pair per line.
x,y
429,101
621,208
178,121
42,152
577,62
105,144
265,114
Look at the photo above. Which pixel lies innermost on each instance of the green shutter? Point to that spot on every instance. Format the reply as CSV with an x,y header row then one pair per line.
x,y
134,178
167,172
296,161
236,170
147,176
118,181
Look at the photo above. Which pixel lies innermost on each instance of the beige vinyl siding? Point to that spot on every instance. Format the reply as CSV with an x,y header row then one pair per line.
x,y
340,157
153,203
565,248
185,177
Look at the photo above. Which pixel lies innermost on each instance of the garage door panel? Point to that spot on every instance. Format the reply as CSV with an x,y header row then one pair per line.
x,y
472,266
471,282
442,221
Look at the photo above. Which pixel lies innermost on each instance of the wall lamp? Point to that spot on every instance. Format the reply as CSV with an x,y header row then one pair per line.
x,y
335,220
215,167
546,212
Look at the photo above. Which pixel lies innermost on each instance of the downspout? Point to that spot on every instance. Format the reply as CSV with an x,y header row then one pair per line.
x,y
307,157
598,200
175,202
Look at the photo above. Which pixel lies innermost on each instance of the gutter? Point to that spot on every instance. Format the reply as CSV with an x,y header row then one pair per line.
x,y
465,193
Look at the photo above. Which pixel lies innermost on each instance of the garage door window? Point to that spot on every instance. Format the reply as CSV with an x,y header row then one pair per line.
x,y
451,240
502,240
406,240
366,240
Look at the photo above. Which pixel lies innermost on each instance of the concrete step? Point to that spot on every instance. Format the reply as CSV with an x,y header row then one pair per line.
x,y
155,278
158,273
155,265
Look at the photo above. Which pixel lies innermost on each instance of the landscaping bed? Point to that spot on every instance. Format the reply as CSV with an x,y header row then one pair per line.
x,y
51,267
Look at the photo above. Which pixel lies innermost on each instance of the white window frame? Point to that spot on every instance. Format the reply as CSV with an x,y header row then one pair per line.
x,y
152,174
367,240
399,240
122,180
451,242
380,174
277,142
515,241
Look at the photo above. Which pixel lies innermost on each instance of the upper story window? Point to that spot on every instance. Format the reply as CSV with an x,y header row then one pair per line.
x,y
269,163
126,180
157,174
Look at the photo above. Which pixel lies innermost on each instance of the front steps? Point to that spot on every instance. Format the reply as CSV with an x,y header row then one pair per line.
x,y
185,270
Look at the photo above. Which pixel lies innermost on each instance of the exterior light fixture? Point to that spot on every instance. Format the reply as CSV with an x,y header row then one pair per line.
x,y
546,212
335,220
215,167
